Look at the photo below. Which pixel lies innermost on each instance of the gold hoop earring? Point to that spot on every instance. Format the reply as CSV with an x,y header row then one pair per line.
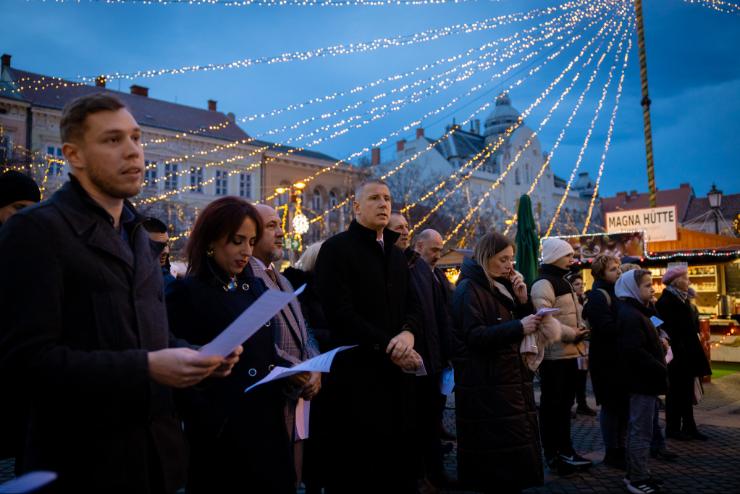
x,y
210,252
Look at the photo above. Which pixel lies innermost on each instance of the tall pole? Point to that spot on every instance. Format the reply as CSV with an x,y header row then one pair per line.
x,y
645,103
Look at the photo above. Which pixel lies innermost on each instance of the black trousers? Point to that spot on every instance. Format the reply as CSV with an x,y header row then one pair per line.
x,y
430,408
558,379
581,388
679,403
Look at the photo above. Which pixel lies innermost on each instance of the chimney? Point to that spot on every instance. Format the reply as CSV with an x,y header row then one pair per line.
x,y
100,81
420,133
140,91
400,145
375,157
212,105
6,61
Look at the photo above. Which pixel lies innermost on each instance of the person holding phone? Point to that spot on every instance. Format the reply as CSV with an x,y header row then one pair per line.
x,y
498,434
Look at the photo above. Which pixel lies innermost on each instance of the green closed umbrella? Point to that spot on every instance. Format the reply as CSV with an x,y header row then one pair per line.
x,y
527,242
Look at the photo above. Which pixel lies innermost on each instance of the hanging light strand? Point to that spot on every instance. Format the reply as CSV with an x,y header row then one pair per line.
x,y
452,130
488,192
426,36
375,113
717,5
586,139
491,148
609,134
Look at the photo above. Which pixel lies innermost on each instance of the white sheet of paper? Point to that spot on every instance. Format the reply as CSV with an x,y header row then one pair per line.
x,y
656,321
547,310
302,414
249,322
447,382
320,363
669,355
421,371
29,482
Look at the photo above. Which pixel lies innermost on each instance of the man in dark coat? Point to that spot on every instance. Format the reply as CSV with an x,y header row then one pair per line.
x,y
433,342
363,282
84,320
600,311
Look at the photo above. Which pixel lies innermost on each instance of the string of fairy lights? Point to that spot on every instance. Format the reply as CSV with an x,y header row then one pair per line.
x,y
429,35
525,42
717,5
547,160
425,36
554,148
586,139
608,140
170,193
452,130
491,148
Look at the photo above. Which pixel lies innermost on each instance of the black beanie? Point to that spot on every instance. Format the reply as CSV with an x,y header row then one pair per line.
x,y
15,186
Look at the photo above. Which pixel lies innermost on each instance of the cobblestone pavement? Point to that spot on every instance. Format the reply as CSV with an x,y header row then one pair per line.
x,y
703,467
711,466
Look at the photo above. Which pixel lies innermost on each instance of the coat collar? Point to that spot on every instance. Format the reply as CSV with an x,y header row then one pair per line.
x,y
552,270
370,236
604,285
92,222
473,271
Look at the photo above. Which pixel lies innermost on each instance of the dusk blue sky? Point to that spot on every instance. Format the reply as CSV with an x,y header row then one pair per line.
x,y
693,63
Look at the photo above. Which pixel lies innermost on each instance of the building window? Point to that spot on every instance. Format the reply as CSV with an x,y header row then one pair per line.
x,y
150,174
222,183
316,201
171,179
333,199
56,158
196,179
245,185
517,177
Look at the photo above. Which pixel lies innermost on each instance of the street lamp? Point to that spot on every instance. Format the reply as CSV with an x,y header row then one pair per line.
x,y
715,202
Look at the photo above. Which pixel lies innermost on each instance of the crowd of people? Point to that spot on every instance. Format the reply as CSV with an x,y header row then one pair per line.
x,y
99,346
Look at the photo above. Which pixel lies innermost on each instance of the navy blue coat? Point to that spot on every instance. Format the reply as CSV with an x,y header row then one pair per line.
x,y
238,440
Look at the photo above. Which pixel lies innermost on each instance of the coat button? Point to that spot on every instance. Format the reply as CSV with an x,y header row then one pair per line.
x,y
270,367
245,287
252,372
267,324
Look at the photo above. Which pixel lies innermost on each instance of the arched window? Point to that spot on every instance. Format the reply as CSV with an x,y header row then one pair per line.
x,y
316,200
333,199
517,177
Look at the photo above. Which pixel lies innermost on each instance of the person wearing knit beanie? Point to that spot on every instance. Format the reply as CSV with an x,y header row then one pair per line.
x,y
553,249
16,192
672,273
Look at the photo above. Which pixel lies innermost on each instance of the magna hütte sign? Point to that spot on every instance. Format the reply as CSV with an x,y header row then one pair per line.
x,y
659,224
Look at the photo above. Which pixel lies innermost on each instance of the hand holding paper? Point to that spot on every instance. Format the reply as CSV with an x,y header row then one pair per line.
x,y
545,311
249,322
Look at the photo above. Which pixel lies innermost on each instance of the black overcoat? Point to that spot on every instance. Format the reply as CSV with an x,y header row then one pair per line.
x,y
498,433
682,326
238,440
600,311
82,304
641,353
367,300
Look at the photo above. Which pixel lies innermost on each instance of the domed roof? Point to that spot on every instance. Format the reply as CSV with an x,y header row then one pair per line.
x,y
502,116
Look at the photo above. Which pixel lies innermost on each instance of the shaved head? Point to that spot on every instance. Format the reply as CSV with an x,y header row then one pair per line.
x,y
429,245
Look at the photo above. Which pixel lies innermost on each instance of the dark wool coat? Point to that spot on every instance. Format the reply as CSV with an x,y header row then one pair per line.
x,y
600,311
642,358
682,327
82,306
238,440
434,292
367,300
497,429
